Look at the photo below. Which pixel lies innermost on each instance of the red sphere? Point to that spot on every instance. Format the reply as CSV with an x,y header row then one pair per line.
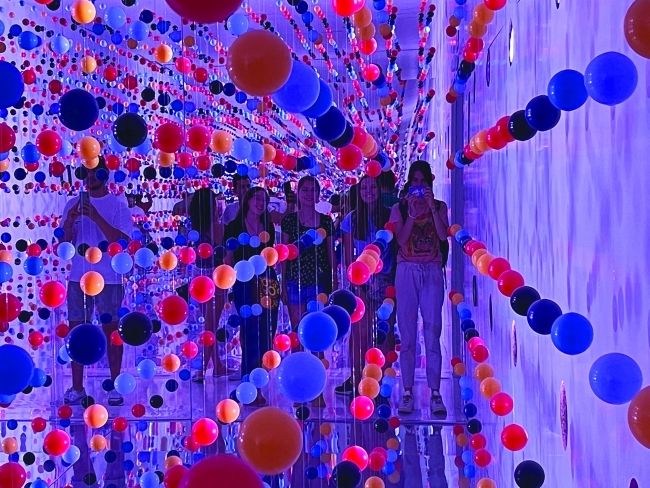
x,y
10,307
357,455
120,424
493,139
35,338
295,340
349,158
477,441
204,11
359,312
64,412
204,250
202,289
187,255
362,408
367,46
514,437
293,251
501,404
475,44
173,310
458,430
138,410
497,267
207,338
221,471
375,356
495,4
370,72
376,461
173,475
205,431
470,56
190,444
455,360
12,475
189,349
39,424
56,442
502,128
110,73
480,353
48,143
169,137
282,343
52,294
115,339
346,8
7,138
198,138
358,273
509,281
451,32
201,75
373,168
482,458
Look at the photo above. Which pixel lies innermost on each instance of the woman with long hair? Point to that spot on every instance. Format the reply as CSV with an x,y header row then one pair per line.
x,y
204,220
313,272
359,229
420,227
256,330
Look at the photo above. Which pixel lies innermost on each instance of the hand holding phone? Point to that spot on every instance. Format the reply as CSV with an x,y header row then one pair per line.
x,y
417,191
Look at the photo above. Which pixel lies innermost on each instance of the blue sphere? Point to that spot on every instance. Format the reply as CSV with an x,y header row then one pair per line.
x,y
16,369
27,40
341,318
13,85
138,30
86,344
301,377
300,91
611,78
78,110
331,125
323,101
237,24
542,314
6,272
146,369
317,331
115,17
572,333
246,393
615,378
125,384
567,91
259,377
541,114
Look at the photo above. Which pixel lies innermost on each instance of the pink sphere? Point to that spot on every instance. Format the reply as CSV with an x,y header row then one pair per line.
x,y
362,408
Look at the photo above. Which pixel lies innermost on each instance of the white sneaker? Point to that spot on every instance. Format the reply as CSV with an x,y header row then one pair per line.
x,y
438,408
74,397
115,399
407,405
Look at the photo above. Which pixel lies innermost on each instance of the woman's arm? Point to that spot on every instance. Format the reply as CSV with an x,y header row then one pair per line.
x,y
403,228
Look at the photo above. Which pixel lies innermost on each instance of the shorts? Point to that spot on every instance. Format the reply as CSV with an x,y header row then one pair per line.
x,y
303,294
81,307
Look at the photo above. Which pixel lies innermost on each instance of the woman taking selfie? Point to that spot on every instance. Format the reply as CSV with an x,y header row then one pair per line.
x,y
420,225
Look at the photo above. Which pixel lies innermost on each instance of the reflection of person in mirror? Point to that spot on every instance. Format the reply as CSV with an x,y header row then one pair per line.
x,y
94,217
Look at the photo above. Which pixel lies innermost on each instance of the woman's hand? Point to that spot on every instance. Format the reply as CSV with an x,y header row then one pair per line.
x,y
431,201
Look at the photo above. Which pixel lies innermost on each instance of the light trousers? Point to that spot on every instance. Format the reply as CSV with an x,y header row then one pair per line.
x,y
420,288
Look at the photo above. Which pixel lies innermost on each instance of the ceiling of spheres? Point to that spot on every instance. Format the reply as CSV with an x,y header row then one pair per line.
x,y
271,87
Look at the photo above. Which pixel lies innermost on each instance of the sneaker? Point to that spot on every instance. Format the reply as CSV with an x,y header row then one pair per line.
x,y
347,388
407,405
74,397
115,399
438,409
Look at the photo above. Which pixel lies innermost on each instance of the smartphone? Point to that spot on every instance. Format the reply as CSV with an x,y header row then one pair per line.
x,y
418,191
84,197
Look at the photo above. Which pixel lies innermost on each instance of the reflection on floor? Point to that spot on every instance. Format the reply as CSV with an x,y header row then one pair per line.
x,y
417,456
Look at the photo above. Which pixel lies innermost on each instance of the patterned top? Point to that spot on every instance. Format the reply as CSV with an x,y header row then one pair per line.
x,y
313,263
423,245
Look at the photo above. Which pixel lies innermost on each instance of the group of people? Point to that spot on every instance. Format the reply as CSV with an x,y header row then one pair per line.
x,y
412,263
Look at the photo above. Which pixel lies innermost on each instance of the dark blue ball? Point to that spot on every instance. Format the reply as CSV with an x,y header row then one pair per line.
x,y
86,344
345,139
542,314
529,474
519,127
522,298
470,410
541,114
78,110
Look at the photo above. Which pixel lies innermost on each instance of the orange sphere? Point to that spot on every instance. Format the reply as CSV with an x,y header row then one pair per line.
x,y
172,461
88,148
362,18
221,141
483,14
168,261
369,387
93,255
374,482
369,261
170,363
4,165
477,254
88,64
483,263
270,255
270,440
461,440
92,283
454,21
325,429
457,298
227,411
271,360
482,371
636,27
165,160
83,11
459,369
98,443
372,371
90,163
476,29
163,53
486,482
385,31
490,387
269,153
392,443
9,445
96,416
5,256
224,276
480,140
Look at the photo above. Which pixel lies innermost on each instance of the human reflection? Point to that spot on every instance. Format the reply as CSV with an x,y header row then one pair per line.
x,y
422,448
109,467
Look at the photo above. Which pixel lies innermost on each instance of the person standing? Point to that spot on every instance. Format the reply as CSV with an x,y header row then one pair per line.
x,y
93,217
359,229
240,185
420,225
